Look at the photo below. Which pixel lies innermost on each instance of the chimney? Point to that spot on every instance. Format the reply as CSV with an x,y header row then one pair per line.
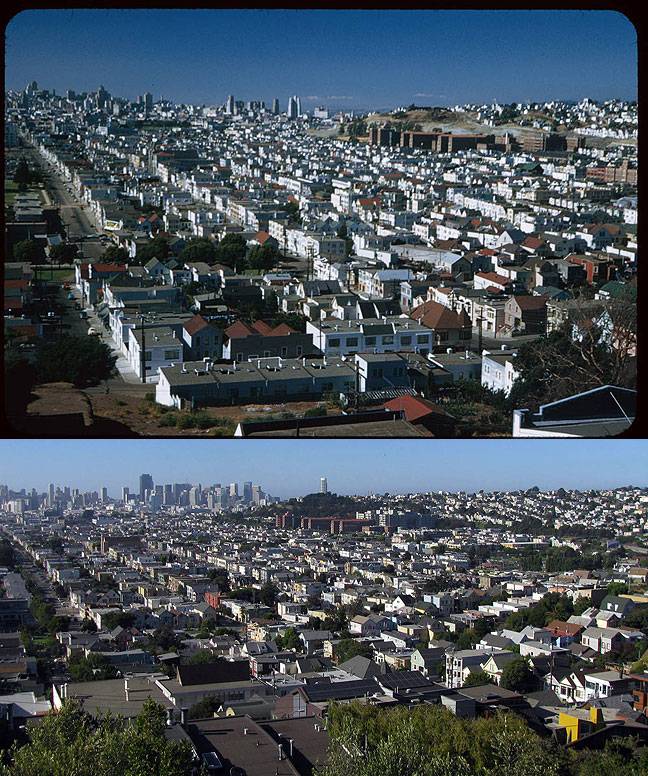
x,y
169,717
281,752
290,744
183,715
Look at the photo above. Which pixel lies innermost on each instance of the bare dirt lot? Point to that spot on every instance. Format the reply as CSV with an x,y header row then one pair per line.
x,y
147,418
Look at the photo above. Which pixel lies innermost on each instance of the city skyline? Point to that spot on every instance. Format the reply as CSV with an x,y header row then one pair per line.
x,y
452,465
443,47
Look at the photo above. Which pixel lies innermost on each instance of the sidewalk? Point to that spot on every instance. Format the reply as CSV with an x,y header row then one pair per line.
x,y
127,374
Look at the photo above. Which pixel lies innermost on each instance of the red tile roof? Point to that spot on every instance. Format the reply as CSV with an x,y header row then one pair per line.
x,y
493,277
438,316
108,268
240,329
195,324
414,407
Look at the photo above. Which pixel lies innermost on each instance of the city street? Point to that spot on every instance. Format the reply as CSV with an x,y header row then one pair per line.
x,y
76,220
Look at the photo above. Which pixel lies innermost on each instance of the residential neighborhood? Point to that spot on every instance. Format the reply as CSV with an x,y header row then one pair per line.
x,y
221,254
229,606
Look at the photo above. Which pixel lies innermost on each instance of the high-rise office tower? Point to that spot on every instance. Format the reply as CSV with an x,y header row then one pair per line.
x,y
104,495
148,101
323,485
257,494
275,106
229,105
145,483
195,496
233,490
125,494
292,108
298,105
247,492
168,495
50,494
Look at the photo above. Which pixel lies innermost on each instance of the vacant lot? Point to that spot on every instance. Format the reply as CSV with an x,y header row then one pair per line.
x,y
149,419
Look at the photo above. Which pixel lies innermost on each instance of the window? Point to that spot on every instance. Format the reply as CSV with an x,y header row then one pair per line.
x,y
299,350
422,339
388,339
443,336
148,356
239,356
406,339
352,342
170,355
370,340
284,351
334,342
266,354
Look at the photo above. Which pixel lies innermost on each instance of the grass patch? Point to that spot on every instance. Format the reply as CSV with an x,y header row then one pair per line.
x,y
55,275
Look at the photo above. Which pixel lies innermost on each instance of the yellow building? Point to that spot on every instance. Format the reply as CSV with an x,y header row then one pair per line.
x,y
580,722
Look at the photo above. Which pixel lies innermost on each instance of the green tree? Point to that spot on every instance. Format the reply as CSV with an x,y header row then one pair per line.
x,y
268,594
477,678
430,741
27,251
157,248
220,578
289,640
199,249
517,676
122,619
115,255
617,588
348,648
91,668
202,657
7,554
22,176
73,743
263,257
204,708
80,360
292,209
231,250
63,253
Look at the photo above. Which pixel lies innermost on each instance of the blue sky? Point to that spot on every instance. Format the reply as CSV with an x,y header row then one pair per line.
x,y
342,58
293,467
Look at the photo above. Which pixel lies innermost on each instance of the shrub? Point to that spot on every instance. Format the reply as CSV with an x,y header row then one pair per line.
x,y
169,419
222,431
315,412
203,421
186,421
150,397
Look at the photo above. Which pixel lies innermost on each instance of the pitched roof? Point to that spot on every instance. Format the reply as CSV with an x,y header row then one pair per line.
x,y
195,324
414,407
438,316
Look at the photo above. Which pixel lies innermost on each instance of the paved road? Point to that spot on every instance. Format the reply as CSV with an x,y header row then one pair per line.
x,y
127,380
76,220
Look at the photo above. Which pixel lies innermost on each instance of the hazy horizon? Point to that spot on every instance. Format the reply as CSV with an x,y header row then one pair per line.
x,y
290,468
